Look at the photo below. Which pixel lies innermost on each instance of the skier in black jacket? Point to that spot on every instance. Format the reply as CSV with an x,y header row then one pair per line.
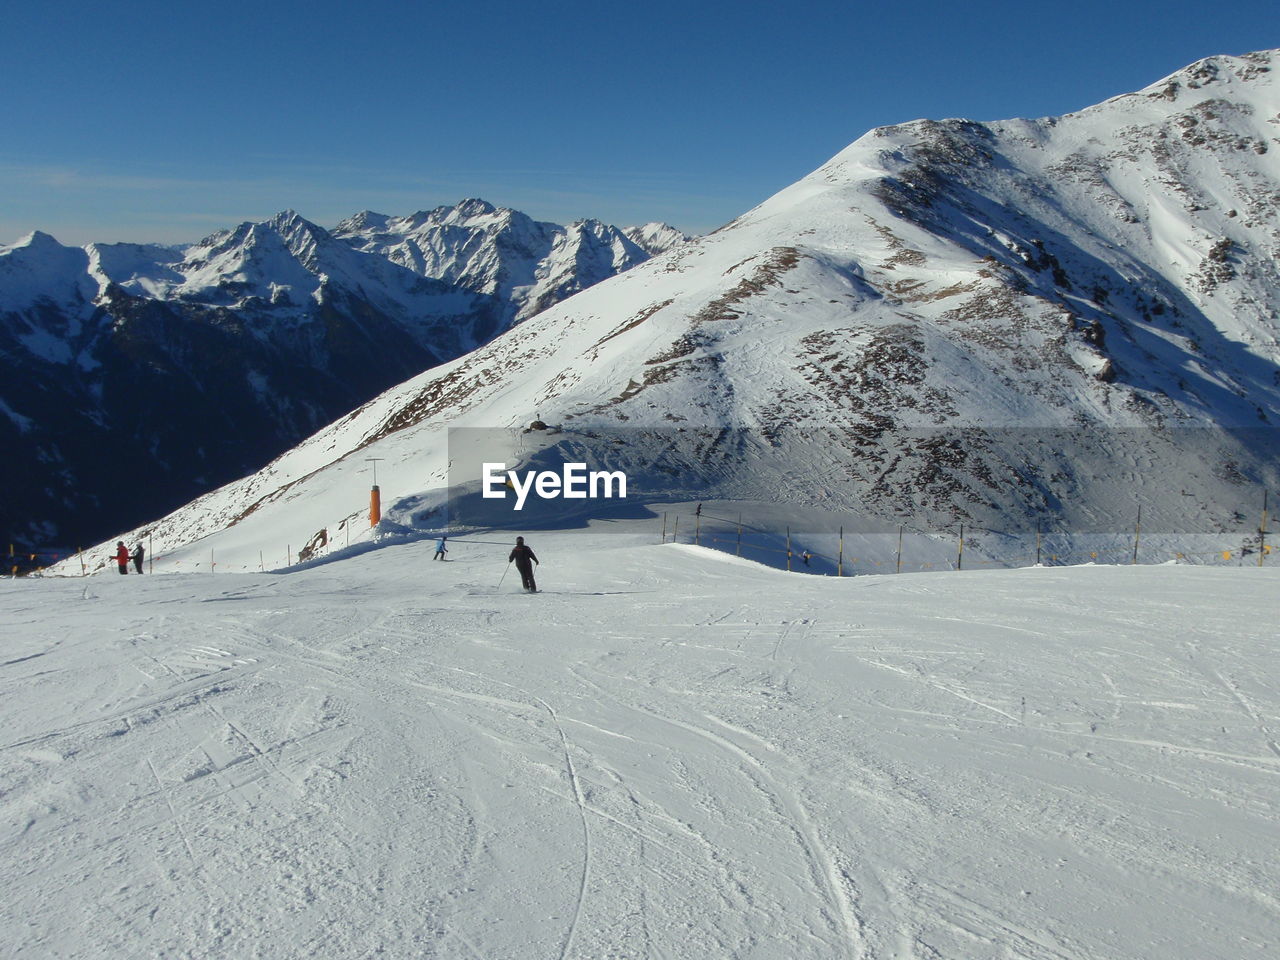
x,y
525,559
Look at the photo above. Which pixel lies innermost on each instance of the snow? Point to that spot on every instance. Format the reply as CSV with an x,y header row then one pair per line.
x,y
667,753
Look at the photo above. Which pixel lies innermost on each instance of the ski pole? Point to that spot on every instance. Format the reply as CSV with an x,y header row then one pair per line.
x,y
504,574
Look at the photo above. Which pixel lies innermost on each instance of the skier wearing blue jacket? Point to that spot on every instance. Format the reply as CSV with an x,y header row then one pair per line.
x,y
441,549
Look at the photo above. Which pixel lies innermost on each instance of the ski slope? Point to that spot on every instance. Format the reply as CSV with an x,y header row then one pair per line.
x,y
668,753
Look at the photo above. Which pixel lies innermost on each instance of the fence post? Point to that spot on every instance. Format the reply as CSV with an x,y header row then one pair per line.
x,y
1262,530
1037,544
697,529
151,553
1137,534
960,553
739,534
840,561
788,549
84,572
899,569
664,526
675,530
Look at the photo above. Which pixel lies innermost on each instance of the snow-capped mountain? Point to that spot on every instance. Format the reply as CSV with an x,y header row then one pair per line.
x,y
656,238
999,323
528,264
134,377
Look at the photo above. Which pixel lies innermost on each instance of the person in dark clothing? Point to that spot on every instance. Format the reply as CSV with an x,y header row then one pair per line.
x,y
122,556
138,554
525,559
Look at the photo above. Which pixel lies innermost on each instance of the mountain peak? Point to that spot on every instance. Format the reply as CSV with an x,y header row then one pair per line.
x,y
364,220
38,240
475,207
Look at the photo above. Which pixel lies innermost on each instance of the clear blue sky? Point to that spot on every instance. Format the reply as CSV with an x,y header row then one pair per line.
x,y
166,121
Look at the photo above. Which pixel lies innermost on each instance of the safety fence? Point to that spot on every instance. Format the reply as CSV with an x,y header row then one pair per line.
x,y
840,553
827,552
29,562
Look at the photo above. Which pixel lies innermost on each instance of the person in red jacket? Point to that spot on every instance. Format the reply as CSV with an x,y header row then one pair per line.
x,y
122,556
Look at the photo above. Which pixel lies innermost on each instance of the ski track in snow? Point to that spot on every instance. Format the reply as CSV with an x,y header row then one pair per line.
x,y
370,758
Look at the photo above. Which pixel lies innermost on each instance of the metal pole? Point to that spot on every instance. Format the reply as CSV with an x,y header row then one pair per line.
x,y
1037,544
788,549
1137,535
664,527
840,560
739,534
675,530
697,529
899,570
375,495
960,554
1262,530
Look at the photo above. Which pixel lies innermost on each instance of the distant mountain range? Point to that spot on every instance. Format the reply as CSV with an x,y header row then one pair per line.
x,y
135,377
950,321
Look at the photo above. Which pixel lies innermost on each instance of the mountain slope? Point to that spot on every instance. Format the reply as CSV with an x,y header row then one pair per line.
x,y
992,323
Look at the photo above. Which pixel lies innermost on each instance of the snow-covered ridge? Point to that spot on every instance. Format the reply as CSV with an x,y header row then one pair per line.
x,y
529,264
1112,272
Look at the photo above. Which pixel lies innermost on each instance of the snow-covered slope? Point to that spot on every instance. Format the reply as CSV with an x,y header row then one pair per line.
x,y
665,754
1052,321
